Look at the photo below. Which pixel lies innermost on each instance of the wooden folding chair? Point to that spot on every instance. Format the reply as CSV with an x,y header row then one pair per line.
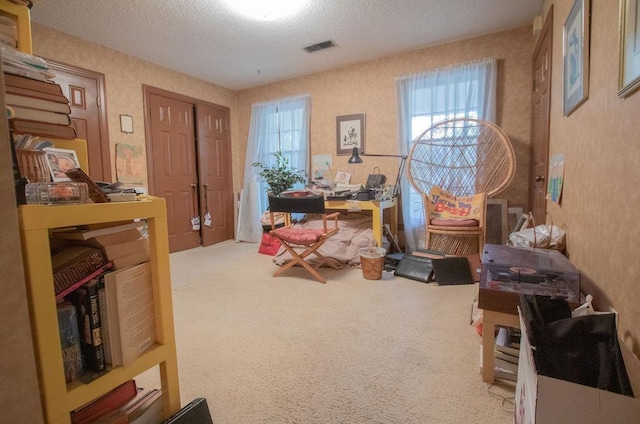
x,y
309,239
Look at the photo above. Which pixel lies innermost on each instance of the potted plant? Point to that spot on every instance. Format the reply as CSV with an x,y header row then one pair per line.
x,y
280,176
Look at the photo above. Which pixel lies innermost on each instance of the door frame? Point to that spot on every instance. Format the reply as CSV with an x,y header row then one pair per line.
x,y
105,145
547,30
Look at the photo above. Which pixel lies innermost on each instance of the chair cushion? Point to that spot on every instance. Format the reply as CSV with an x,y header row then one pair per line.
x,y
299,235
456,222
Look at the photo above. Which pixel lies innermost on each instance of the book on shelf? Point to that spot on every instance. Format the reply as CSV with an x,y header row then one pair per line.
x,y
85,299
144,408
7,40
130,310
74,264
13,80
506,357
34,94
35,103
70,341
105,404
86,279
42,129
87,233
119,250
509,350
104,318
130,260
119,237
38,115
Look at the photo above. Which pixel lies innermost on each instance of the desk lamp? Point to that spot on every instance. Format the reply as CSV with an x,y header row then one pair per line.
x,y
356,158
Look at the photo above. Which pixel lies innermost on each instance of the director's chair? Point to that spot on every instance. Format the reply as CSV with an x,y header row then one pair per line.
x,y
309,239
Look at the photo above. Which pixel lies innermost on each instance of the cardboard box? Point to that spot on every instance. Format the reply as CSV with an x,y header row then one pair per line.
x,y
541,399
509,271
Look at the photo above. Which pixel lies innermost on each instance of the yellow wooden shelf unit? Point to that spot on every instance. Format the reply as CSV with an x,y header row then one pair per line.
x,y
22,17
59,398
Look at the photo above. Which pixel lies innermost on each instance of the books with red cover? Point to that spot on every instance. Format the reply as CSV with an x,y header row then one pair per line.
x,y
73,264
113,400
42,129
85,299
85,280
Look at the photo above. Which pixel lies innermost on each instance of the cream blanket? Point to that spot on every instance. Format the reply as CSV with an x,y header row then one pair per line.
x,y
343,248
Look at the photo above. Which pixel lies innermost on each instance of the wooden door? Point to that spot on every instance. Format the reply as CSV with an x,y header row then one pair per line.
x,y
172,166
541,105
85,90
214,170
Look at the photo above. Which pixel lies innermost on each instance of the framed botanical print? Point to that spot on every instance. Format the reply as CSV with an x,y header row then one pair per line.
x,y
576,56
350,133
629,32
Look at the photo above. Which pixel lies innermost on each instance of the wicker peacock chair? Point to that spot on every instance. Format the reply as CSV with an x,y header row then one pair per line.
x,y
465,157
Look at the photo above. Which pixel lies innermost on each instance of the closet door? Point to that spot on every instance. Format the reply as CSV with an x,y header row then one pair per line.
x,y
215,176
172,173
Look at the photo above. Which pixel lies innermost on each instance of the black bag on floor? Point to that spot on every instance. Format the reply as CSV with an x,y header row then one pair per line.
x,y
583,350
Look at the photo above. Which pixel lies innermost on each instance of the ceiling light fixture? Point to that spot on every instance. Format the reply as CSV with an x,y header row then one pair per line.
x,y
265,10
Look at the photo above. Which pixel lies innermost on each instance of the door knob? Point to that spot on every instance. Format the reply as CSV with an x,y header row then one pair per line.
x,y
539,178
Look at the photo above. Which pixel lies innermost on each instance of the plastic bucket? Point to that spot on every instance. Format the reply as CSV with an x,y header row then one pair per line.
x,y
372,262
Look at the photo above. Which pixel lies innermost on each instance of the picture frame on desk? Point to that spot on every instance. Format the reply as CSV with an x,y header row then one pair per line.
x,y
59,161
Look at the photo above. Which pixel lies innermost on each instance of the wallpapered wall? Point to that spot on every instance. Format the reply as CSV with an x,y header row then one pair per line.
x,y
370,88
600,200
365,88
124,77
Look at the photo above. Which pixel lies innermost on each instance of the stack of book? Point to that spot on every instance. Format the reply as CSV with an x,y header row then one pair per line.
x,y
507,351
126,403
8,31
38,107
116,322
121,244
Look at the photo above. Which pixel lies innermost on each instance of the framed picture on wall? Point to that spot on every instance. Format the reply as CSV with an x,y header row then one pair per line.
x,y
350,133
629,68
576,56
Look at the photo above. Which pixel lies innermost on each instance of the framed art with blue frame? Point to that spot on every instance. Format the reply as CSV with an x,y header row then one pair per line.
x,y
576,56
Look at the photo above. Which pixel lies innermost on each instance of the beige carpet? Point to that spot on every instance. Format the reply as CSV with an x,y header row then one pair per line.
x,y
291,350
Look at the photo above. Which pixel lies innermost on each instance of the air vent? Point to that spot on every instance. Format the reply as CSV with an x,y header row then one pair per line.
x,y
320,46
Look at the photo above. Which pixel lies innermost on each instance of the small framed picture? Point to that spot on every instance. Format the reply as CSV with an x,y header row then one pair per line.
x,y
126,124
629,68
60,161
576,56
350,133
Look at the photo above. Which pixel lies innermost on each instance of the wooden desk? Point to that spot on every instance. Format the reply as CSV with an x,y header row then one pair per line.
x,y
377,209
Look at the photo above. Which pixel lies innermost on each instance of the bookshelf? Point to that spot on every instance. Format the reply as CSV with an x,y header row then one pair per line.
x,y
22,17
59,398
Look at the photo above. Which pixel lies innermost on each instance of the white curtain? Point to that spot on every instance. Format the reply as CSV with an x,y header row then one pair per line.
x,y
279,125
459,91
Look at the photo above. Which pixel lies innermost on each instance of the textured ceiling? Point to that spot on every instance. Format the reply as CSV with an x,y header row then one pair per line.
x,y
204,39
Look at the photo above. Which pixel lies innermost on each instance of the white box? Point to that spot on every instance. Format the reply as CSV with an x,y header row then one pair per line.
x,y
541,399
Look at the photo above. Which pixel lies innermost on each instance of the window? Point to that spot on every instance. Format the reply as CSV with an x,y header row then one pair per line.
x,y
460,91
279,125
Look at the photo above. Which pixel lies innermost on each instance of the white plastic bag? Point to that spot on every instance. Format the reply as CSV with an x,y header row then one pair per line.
x,y
542,236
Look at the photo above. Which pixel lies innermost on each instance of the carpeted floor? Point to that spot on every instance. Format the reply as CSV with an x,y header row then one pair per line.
x,y
291,350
